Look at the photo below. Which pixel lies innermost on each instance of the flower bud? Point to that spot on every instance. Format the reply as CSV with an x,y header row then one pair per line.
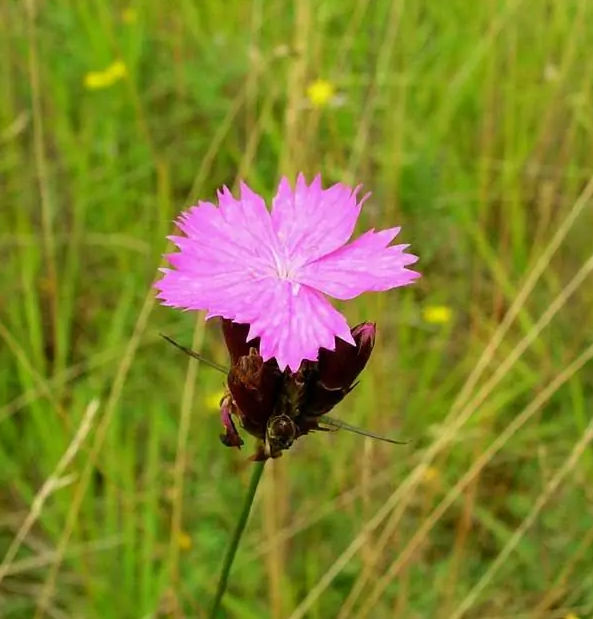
x,y
278,407
254,386
235,336
339,368
332,376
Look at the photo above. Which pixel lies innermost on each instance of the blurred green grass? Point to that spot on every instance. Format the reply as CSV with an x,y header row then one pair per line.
x,y
471,125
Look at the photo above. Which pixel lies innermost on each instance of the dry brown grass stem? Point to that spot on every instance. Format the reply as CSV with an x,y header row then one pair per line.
x,y
526,289
181,452
551,487
100,435
315,514
47,557
485,457
42,385
52,483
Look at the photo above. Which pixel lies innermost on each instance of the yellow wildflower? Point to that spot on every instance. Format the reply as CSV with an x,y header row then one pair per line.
x,y
437,314
320,92
184,540
117,70
212,400
94,80
571,616
431,474
129,15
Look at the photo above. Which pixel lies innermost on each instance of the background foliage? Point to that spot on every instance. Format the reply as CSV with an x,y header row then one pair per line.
x,y
471,124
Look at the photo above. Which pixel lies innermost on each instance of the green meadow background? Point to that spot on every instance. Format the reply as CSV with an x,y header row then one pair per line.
x,y
472,124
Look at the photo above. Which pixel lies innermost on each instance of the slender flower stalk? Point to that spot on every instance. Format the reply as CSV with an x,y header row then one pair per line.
x,y
256,474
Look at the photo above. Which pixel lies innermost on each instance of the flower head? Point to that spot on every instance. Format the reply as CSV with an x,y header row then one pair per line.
x,y
95,80
273,270
320,92
437,314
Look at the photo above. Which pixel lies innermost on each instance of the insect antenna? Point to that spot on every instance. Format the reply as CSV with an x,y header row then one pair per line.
x,y
195,355
342,425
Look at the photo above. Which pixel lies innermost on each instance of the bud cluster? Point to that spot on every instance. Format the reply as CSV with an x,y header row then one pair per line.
x,y
278,407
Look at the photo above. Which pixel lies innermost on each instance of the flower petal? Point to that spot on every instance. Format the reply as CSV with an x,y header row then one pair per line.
x,y
224,250
292,322
269,271
366,264
310,221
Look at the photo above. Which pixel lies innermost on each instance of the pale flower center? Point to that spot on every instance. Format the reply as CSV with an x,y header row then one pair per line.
x,y
286,271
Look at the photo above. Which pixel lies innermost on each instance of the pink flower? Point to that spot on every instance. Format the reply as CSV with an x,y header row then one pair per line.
x,y
272,270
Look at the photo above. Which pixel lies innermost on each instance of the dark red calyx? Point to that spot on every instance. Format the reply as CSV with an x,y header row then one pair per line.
x,y
235,336
278,407
339,368
333,376
254,386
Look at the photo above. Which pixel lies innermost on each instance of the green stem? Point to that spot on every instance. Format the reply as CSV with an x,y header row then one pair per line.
x,y
258,468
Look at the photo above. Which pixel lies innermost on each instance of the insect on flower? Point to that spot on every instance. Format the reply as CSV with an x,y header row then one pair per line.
x,y
266,274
